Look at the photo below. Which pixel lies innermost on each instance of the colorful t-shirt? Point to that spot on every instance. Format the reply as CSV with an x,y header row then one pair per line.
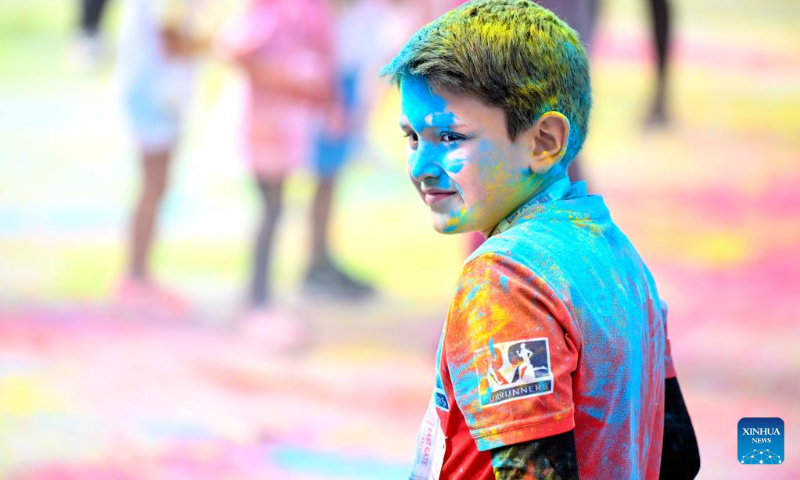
x,y
556,325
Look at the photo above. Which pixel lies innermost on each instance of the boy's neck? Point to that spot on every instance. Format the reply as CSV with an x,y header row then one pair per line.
x,y
552,188
561,178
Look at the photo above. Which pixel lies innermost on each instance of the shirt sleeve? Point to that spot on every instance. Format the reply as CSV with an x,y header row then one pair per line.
x,y
669,366
511,347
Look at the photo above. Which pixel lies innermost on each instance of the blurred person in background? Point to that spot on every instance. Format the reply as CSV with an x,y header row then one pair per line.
x,y
582,16
660,15
156,70
90,47
356,57
359,53
286,50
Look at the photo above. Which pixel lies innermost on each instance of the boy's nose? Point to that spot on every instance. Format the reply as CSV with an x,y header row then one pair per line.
x,y
422,165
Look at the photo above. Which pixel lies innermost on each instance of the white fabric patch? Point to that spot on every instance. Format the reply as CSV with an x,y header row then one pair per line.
x,y
430,446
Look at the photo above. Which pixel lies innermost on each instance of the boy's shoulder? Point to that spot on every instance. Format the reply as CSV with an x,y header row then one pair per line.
x,y
519,252
548,233
559,243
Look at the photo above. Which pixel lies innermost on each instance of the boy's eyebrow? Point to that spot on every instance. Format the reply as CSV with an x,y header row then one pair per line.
x,y
457,123
444,120
437,121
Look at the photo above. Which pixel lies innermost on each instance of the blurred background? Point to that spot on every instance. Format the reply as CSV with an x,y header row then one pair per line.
x,y
116,370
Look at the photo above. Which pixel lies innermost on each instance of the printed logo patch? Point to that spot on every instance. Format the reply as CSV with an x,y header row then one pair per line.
x,y
760,441
513,370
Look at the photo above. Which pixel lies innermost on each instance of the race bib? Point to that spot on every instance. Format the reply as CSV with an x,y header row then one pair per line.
x,y
430,446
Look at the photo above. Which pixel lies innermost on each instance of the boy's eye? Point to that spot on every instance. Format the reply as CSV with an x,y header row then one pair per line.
x,y
412,139
448,137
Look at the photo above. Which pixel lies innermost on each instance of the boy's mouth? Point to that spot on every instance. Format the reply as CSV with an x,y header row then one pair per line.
x,y
434,195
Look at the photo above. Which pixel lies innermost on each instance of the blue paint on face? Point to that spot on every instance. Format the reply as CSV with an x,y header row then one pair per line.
x,y
425,110
455,167
432,162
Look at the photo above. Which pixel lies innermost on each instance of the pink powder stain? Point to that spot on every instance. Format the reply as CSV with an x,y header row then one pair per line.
x,y
191,402
77,472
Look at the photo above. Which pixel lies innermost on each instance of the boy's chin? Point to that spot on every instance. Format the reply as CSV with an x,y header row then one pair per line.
x,y
448,225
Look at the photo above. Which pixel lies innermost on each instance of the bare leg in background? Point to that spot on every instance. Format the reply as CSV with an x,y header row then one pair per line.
x,y
155,170
320,220
271,192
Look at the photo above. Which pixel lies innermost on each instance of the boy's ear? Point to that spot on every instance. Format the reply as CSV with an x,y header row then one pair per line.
x,y
549,137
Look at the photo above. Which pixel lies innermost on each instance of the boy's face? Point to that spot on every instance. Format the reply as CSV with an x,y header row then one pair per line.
x,y
461,160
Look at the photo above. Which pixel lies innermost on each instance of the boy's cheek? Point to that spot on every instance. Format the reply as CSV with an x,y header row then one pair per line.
x,y
454,164
489,179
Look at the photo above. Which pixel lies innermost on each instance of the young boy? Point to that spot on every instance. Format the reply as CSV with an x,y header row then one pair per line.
x,y
554,360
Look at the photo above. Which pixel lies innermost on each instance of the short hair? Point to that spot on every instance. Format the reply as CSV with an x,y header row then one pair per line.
x,y
511,54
